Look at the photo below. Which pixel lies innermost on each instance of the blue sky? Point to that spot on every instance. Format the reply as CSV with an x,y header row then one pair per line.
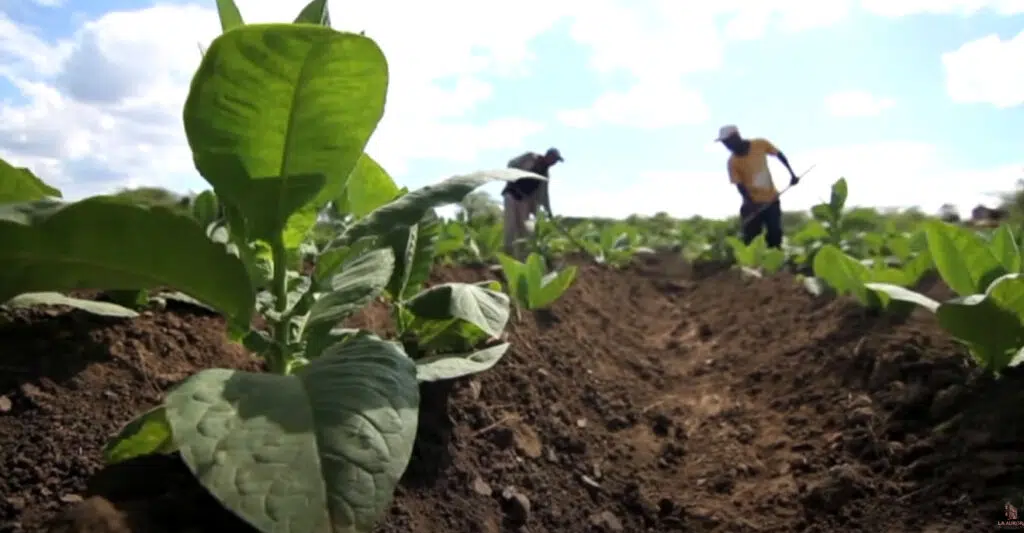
x,y
916,103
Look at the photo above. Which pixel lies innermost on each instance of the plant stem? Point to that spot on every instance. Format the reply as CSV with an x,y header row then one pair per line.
x,y
399,319
281,329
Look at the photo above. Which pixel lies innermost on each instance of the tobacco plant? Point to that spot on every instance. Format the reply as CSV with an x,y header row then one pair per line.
x,y
845,275
825,227
988,315
277,118
756,258
529,283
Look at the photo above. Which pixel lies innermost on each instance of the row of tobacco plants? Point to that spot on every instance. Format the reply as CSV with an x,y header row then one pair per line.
x,y
277,118
984,269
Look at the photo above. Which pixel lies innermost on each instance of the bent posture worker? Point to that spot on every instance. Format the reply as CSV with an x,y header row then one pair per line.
x,y
524,196
748,170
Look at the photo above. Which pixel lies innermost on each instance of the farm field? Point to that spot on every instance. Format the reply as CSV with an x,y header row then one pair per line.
x,y
306,346
650,399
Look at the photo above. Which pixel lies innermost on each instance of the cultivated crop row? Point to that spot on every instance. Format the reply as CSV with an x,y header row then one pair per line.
x,y
302,229
277,118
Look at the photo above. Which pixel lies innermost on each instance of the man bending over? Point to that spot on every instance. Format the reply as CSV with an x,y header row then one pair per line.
x,y
748,170
524,196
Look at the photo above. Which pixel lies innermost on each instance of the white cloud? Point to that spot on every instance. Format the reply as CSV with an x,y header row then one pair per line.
x,y
645,105
902,8
750,19
987,70
856,103
102,108
654,38
668,40
657,43
21,50
901,173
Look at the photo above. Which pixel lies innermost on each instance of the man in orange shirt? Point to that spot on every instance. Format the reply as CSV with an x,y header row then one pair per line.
x,y
748,170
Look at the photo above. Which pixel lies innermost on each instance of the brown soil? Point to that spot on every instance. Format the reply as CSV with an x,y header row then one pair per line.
x,y
657,398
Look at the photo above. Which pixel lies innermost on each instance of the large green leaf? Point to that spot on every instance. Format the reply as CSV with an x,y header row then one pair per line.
x,y
403,243
821,212
743,254
369,187
837,200
230,17
205,208
105,243
283,100
422,259
315,346
552,286
361,280
275,205
772,260
21,185
296,231
450,336
904,294
813,231
316,451
448,366
962,258
516,282
916,268
414,256
329,262
534,273
488,241
33,299
484,308
990,324
845,275
411,207
1004,248
315,12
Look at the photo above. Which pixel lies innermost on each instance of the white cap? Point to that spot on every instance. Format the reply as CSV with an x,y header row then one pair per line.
x,y
726,131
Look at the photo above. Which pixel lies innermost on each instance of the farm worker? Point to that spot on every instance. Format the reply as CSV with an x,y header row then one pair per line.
x,y
748,170
524,196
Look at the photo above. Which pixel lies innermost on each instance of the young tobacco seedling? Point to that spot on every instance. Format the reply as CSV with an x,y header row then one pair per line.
x,y
530,285
988,315
617,244
825,227
830,214
757,257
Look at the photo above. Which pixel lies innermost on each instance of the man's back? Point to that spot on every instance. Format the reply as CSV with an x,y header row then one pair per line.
x,y
751,170
530,162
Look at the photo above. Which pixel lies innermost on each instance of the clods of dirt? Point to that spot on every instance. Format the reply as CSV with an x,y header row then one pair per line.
x,y
664,397
72,380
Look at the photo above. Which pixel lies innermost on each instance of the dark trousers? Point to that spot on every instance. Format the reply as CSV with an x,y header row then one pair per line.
x,y
769,220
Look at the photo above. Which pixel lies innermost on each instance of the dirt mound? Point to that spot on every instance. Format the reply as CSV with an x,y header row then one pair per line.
x,y
68,380
664,397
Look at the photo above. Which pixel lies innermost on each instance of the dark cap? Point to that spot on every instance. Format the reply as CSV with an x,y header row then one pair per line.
x,y
554,154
